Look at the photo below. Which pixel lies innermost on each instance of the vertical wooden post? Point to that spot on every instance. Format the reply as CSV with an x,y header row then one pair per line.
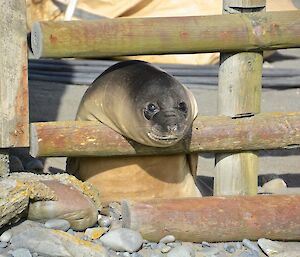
x,y
239,95
14,123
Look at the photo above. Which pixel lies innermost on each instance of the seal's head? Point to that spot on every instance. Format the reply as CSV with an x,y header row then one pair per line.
x,y
163,108
141,102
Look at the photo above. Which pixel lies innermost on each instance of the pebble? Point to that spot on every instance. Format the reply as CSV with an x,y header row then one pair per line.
x,y
161,245
209,250
205,244
154,246
59,224
269,247
250,253
173,244
167,239
20,252
274,186
6,236
146,252
115,210
136,255
229,248
165,249
104,221
146,244
181,251
115,224
71,232
94,233
196,247
4,253
288,254
123,240
239,245
3,244
250,245
55,243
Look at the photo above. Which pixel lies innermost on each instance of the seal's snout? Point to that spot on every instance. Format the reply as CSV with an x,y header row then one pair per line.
x,y
172,128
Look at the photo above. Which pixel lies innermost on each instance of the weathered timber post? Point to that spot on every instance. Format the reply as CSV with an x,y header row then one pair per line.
x,y
239,94
215,219
166,35
14,124
209,133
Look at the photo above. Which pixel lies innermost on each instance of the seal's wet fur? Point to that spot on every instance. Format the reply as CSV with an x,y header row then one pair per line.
x,y
151,107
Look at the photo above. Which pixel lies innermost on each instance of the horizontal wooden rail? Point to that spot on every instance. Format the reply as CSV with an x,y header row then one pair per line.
x,y
214,219
137,36
209,133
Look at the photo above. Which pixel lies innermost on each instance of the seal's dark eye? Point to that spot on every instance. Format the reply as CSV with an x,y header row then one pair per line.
x,y
151,107
150,110
182,107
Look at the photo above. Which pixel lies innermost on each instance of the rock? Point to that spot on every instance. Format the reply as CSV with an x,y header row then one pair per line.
x,y
195,246
150,253
3,244
71,232
251,245
288,253
270,247
115,224
81,211
153,245
49,242
165,249
229,248
239,245
279,248
94,233
59,224
104,221
6,236
115,210
20,252
167,239
173,244
205,244
123,240
136,255
274,186
249,253
181,251
209,250
25,225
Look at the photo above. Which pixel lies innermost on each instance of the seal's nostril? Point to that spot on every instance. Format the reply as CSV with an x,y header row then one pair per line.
x,y
172,128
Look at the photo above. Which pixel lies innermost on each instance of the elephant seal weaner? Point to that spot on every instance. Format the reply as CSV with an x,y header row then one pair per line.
x,y
145,104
